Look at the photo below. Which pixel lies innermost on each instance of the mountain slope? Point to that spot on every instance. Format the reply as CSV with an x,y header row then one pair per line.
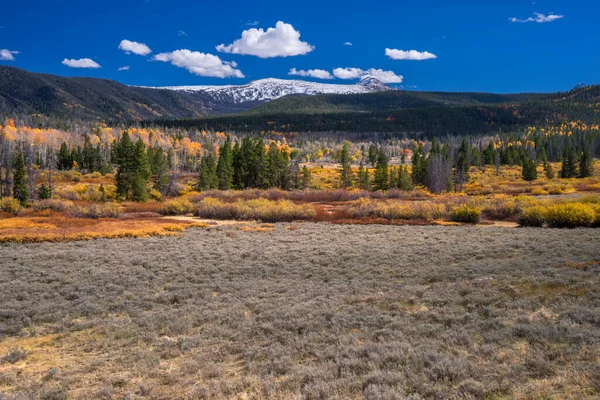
x,y
264,90
90,98
381,101
412,113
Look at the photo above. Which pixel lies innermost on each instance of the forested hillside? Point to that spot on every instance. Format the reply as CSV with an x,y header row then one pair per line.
x,y
414,114
23,92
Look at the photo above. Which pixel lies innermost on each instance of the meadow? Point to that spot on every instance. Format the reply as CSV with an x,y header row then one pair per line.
x,y
305,310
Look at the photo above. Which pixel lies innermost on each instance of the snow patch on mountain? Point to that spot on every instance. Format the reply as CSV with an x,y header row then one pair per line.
x,y
271,89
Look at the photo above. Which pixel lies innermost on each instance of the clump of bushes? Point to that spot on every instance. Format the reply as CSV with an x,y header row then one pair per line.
x,y
570,215
9,205
466,214
52,205
425,211
532,217
95,211
257,209
15,355
176,207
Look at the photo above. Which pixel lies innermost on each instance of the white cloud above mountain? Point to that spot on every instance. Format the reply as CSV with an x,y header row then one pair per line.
x,y
81,63
201,64
7,55
313,73
414,55
356,73
141,49
281,41
538,18
124,68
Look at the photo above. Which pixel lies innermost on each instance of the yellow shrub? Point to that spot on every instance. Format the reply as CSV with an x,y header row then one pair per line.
x,y
570,215
533,216
465,213
9,205
176,207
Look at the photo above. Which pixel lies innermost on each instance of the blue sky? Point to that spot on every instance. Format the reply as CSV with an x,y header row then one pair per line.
x,y
476,45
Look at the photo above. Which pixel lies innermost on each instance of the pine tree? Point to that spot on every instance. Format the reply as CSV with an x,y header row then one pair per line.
x,y
529,170
461,171
20,191
225,166
586,166
133,171
207,178
569,163
405,181
548,170
419,166
373,154
346,167
44,192
159,168
364,182
381,178
305,177
65,161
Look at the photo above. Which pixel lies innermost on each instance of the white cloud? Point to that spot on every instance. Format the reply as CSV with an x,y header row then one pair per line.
x,y
281,41
348,44
396,54
539,18
7,55
125,68
348,73
81,63
313,73
251,23
134,47
201,64
356,73
183,33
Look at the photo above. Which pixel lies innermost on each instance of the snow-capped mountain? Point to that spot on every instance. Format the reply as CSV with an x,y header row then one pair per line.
x,y
264,90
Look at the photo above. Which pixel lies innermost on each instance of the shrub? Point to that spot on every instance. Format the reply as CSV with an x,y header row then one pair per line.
x,y
15,355
9,205
501,207
259,209
403,210
532,216
465,213
155,194
215,209
570,215
53,205
95,211
176,207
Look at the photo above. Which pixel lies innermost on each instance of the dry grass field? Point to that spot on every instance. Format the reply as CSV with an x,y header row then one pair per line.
x,y
305,311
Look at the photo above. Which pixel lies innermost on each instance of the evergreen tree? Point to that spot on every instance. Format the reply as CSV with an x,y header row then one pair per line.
x,y
133,171
381,178
405,181
225,166
159,168
44,192
364,182
305,177
373,154
419,166
586,166
569,163
529,171
346,167
207,178
65,161
461,171
20,191
548,170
